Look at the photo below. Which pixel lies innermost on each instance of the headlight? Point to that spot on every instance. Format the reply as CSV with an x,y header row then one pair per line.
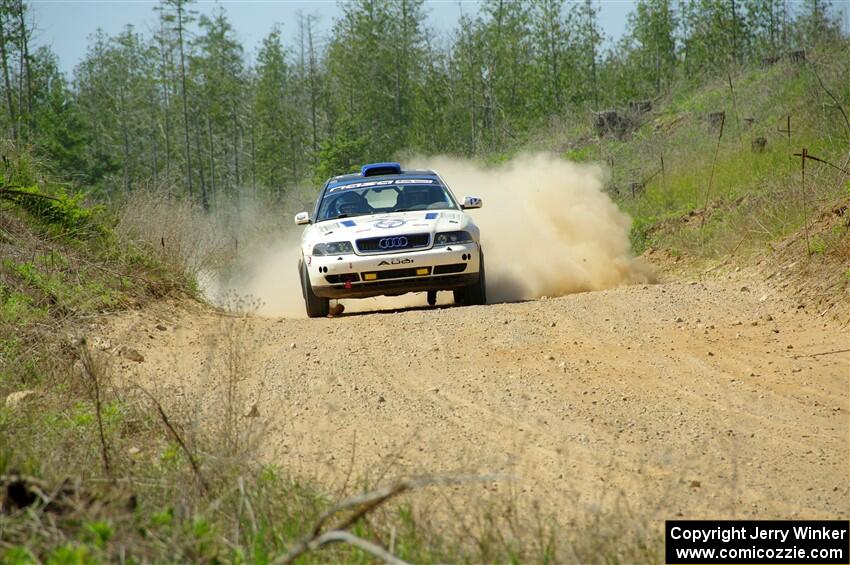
x,y
449,237
336,248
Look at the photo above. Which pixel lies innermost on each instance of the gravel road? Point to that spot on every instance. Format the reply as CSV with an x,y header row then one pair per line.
x,y
686,399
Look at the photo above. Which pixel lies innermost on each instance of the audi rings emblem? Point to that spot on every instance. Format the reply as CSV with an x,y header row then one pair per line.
x,y
399,242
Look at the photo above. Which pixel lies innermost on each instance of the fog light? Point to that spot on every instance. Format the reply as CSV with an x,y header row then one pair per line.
x,y
422,271
370,276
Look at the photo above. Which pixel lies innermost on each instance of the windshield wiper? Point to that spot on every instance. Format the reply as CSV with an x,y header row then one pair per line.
x,y
346,216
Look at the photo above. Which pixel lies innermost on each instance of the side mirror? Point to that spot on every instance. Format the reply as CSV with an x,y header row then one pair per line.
x,y
302,218
471,202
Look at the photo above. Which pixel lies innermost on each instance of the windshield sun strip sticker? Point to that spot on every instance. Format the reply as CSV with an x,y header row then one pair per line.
x,y
369,184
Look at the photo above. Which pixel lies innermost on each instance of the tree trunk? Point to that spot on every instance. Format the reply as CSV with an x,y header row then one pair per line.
x,y
313,102
734,32
185,105
253,158
294,144
592,36
166,105
204,201
155,148
7,83
212,157
237,134
126,139
25,61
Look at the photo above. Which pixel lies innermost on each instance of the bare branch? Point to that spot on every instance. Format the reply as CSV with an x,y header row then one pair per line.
x,y
336,536
711,175
362,505
825,162
822,353
91,372
179,439
834,99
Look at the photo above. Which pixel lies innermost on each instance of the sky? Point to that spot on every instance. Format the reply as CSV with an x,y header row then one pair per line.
x,y
65,25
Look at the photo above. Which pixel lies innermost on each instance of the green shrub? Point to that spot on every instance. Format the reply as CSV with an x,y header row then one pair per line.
x,y
61,212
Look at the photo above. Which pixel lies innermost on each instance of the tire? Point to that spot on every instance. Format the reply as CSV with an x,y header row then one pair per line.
x,y
474,294
316,306
432,298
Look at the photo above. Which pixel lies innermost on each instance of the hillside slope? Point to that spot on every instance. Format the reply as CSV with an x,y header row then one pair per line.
x,y
696,189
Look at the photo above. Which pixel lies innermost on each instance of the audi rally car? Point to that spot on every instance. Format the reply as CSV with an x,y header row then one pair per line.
x,y
387,232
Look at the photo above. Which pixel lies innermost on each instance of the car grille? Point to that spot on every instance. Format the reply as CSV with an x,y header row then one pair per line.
x,y
391,244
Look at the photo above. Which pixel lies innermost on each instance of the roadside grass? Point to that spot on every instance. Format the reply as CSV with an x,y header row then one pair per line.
x,y
744,200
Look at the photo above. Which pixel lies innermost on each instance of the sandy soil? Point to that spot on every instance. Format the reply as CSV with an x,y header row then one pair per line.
x,y
697,399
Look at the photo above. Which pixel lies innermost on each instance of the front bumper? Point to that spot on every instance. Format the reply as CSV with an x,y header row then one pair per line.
x,y
360,276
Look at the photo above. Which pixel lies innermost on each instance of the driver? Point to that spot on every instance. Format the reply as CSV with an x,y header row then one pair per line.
x,y
421,197
350,204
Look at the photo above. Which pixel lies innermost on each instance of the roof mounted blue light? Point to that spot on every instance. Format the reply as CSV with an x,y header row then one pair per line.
x,y
374,169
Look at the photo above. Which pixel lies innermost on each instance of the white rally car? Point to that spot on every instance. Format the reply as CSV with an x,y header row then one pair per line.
x,y
387,231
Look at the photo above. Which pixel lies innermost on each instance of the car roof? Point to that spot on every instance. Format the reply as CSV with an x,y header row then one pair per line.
x,y
340,180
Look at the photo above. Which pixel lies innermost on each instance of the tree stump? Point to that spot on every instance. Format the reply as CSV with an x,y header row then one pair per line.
x,y
636,188
798,56
610,121
715,119
638,107
759,144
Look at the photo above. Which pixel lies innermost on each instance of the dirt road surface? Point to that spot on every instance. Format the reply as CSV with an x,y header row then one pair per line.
x,y
684,399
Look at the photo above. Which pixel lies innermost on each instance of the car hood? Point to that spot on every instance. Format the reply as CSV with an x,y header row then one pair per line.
x,y
375,225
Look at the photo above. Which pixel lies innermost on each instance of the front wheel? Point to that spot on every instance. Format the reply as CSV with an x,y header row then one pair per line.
x,y
317,307
474,294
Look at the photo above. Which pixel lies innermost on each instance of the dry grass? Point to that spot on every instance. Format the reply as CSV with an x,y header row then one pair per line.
x,y
179,233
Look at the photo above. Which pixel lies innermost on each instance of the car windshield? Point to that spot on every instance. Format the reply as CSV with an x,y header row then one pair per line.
x,y
381,197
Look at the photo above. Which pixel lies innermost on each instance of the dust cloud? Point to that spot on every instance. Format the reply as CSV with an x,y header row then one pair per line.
x,y
548,229
263,279
547,226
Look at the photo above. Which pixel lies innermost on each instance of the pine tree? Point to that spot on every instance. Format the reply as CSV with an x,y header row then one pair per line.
x,y
177,14
652,26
